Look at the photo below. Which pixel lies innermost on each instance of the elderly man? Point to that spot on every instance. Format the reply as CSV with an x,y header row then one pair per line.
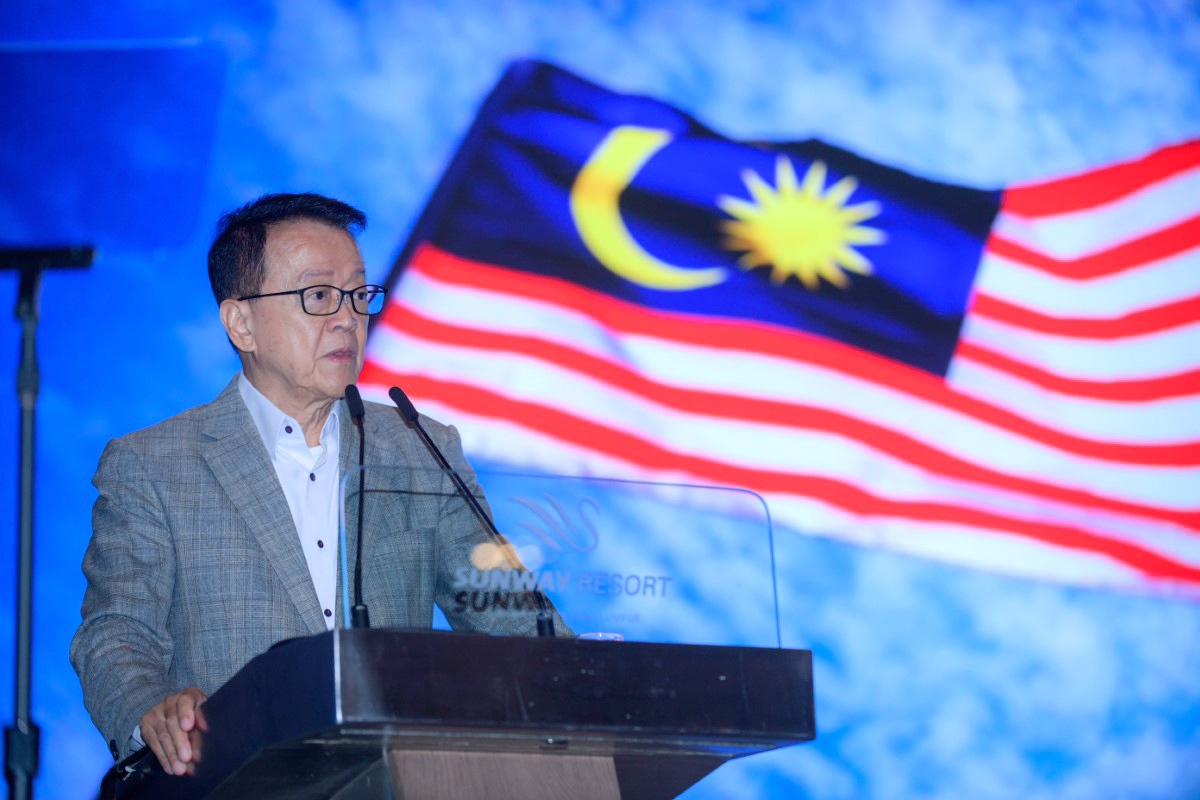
x,y
215,532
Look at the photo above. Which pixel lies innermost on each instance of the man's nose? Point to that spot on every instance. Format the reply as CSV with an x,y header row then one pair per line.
x,y
345,316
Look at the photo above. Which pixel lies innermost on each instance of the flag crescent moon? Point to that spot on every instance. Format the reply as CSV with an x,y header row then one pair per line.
x,y
595,208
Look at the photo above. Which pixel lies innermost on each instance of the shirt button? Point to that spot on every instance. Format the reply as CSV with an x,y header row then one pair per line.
x,y
320,543
288,428
312,476
328,613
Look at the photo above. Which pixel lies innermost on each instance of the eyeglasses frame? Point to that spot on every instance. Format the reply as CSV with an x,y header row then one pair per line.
x,y
342,293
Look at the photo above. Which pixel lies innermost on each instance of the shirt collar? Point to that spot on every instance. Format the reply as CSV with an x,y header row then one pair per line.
x,y
271,422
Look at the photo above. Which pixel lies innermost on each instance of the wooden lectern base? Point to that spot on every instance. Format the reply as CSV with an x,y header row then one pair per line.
x,y
444,775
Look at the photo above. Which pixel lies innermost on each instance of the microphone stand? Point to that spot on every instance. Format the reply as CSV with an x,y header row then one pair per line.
x,y
21,738
545,622
359,615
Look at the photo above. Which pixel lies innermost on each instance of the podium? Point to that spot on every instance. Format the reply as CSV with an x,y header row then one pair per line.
x,y
356,714
685,574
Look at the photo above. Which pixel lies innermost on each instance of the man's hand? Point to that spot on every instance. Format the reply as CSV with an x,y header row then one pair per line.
x,y
165,730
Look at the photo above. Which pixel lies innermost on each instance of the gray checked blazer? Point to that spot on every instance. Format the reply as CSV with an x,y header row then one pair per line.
x,y
195,565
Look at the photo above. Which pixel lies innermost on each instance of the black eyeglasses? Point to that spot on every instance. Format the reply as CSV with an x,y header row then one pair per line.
x,y
323,301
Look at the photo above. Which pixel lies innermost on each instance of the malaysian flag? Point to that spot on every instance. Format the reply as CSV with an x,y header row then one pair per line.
x,y
1005,379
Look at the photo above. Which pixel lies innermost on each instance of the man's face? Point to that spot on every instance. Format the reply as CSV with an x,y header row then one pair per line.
x,y
300,360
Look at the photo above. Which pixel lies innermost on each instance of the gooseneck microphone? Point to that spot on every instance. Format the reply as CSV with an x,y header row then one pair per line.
x,y
359,618
545,622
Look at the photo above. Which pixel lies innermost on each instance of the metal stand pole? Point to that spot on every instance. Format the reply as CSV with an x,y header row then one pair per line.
x,y
21,738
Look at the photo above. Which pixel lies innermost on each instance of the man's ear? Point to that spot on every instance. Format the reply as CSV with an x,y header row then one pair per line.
x,y
237,326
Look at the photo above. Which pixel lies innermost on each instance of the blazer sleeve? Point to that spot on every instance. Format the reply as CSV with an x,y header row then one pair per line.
x,y
122,651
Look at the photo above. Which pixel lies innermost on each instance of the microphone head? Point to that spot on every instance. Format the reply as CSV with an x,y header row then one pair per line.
x,y
407,409
354,403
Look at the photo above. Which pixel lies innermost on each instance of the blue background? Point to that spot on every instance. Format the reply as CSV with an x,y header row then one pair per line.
x,y
931,681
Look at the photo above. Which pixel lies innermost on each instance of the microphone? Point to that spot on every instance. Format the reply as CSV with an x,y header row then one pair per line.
x,y
545,622
359,617
409,412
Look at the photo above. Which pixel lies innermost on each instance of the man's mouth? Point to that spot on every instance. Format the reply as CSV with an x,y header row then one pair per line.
x,y
343,354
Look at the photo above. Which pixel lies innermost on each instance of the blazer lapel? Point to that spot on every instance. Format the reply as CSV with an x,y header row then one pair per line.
x,y
238,459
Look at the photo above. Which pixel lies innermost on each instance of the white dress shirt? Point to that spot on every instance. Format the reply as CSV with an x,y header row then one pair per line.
x,y
309,477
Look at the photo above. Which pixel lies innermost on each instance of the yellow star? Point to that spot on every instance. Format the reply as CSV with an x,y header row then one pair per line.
x,y
800,229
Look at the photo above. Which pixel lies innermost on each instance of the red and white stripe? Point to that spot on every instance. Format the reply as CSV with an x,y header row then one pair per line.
x,y
1065,442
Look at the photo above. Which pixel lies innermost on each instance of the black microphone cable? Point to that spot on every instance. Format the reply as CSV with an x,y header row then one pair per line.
x,y
545,622
359,617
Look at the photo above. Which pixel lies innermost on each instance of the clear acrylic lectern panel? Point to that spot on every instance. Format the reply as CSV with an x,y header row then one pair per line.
x,y
649,562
